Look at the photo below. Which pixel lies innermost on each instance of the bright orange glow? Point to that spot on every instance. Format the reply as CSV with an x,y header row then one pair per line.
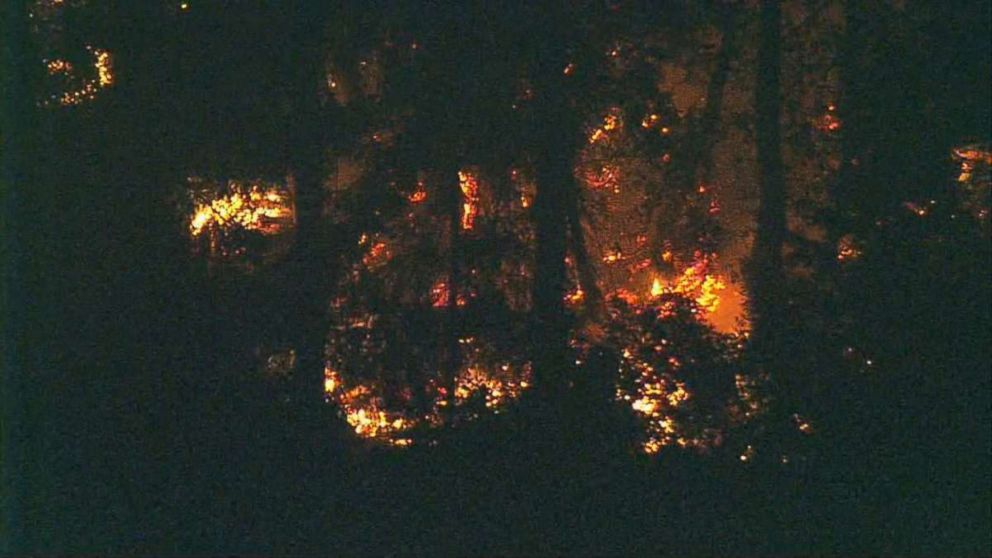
x,y
656,288
248,206
417,196
696,283
611,122
104,67
58,67
603,177
847,249
613,256
575,297
828,121
440,293
366,411
87,88
377,255
469,184
722,305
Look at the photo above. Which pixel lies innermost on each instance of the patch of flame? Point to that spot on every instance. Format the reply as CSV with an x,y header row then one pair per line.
x,y
89,87
249,207
469,184
611,122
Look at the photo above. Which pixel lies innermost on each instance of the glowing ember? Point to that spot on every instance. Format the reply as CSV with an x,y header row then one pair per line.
x,y
417,196
575,297
603,177
494,389
104,67
610,123
363,409
695,283
366,410
377,255
79,89
847,249
828,122
58,67
252,207
469,184
440,293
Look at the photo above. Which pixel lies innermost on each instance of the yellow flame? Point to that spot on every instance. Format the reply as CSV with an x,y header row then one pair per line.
x,y
104,67
469,184
251,208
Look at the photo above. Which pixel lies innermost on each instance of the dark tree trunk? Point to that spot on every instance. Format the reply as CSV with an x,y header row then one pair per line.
x,y
18,125
766,265
709,124
556,142
309,262
555,186
452,349
586,270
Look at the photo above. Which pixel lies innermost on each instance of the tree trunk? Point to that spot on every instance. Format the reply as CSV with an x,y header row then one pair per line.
x,y
451,348
309,257
555,185
766,265
18,126
586,270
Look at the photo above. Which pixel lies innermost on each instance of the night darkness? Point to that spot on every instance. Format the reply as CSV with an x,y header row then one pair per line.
x,y
599,278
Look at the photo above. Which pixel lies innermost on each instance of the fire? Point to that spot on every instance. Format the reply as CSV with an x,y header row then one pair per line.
x,y
440,293
84,89
603,177
104,67
828,122
495,390
469,184
696,283
575,297
363,410
378,254
366,411
251,207
58,67
656,288
847,249
610,123
417,196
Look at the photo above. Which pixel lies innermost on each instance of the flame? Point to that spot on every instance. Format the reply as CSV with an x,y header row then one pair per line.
x,y
418,196
696,283
58,66
847,249
575,297
656,288
828,122
104,67
363,410
610,123
378,254
248,207
440,293
89,87
366,413
603,177
469,184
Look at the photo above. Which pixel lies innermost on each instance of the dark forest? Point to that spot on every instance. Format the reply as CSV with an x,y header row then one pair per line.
x,y
600,277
